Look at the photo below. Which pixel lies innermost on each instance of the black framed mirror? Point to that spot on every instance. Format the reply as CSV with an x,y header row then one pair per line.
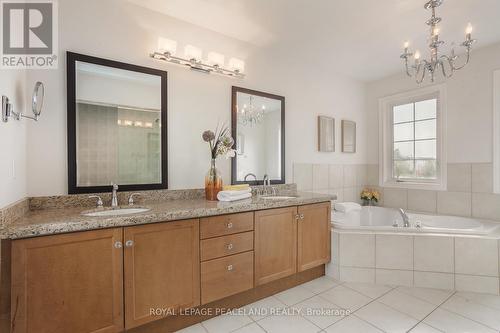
x,y
117,125
258,128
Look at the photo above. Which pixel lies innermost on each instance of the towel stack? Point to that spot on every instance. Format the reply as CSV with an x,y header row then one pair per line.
x,y
235,192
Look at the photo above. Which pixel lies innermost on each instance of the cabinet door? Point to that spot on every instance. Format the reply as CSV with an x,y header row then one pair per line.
x,y
162,269
313,235
275,244
68,283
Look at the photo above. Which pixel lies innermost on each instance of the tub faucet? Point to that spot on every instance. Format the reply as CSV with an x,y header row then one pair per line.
x,y
406,219
114,199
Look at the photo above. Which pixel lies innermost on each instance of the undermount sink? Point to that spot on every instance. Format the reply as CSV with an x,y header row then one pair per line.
x,y
116,212
278,197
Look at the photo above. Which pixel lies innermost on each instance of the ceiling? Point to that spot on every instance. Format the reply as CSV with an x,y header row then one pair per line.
x,y
358,38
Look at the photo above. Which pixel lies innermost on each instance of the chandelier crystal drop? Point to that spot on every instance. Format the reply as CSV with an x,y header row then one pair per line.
x,y
250,115
446,64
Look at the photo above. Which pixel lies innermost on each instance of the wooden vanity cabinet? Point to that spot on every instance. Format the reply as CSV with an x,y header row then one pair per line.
x,y
162,269
68,283
275,244
313,236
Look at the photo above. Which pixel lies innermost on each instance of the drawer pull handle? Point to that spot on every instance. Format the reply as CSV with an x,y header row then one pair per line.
x,y
229,225
118,245
230,267
229,246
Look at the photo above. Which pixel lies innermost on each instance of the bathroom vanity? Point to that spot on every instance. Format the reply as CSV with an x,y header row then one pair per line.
x,y
142,272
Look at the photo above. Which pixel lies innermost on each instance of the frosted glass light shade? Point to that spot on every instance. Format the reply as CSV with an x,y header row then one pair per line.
x,y
167,45
236,64
192,52
215,58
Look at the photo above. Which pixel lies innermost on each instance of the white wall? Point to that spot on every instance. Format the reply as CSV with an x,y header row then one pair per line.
x,y
469,107
13,140
121,31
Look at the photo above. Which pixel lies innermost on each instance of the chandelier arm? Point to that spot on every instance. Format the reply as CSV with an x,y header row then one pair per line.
x,y
450,62
466,61
420,68
407,68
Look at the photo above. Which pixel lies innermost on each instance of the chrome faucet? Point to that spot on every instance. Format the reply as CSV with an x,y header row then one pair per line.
x,y
406,219
250,175
266,184
114,199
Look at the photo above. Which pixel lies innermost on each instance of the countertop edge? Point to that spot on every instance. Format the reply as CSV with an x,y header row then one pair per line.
x,y
77,223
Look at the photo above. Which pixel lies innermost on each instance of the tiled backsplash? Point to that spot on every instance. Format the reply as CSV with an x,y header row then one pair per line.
x,y
470,187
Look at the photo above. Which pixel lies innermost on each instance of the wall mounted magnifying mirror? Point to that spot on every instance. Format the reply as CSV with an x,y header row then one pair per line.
x,y
258,126
36,105
117,125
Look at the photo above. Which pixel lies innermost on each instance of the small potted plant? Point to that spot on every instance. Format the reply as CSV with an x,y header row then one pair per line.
x,y
370,197
220,143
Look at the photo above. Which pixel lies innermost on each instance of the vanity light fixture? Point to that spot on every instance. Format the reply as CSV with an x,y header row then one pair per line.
x,y
192,59
447,64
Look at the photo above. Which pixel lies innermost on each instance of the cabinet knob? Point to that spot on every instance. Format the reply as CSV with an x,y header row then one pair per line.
x,y
230,267
301,216
118,245
297,216
229,225
229,246
129,243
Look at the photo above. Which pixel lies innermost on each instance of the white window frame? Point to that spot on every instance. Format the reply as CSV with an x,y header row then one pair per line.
x,y
386,105
496,130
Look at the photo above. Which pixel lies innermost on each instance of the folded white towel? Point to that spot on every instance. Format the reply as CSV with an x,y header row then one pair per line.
x,y
346,207
236,192
224,196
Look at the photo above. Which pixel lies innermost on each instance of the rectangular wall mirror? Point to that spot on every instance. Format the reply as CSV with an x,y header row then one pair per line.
x,y
258,126
117,125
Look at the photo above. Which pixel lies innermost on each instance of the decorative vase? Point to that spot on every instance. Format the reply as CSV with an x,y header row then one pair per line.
x,y
213,182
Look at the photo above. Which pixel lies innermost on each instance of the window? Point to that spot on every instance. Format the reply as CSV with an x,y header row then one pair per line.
x,y
412,140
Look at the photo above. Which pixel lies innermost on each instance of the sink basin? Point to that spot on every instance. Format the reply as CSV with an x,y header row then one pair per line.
x,y
116,212
278,197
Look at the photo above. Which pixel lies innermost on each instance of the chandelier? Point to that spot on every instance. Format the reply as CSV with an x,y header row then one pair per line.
x,y
447,64
250,115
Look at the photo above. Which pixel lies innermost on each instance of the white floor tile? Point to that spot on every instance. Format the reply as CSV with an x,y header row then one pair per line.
x,y
345,298
288,324
407,304
197,328
319,285
294,295
450,322
252,328
226,323
424,328
367,289
477,312
352,324
385,318
320,312
434,296
491,301
263,308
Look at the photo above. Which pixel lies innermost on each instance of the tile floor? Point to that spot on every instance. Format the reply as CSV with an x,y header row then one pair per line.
x,y
319,306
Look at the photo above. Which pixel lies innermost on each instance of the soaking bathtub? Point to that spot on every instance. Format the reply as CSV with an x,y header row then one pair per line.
x,y
443,252
390,220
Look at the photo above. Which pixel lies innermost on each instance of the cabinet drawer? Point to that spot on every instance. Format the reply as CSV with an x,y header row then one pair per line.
x,y
226,276
225,225
226,245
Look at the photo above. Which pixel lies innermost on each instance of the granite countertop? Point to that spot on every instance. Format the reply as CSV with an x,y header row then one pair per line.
x,y
54,221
